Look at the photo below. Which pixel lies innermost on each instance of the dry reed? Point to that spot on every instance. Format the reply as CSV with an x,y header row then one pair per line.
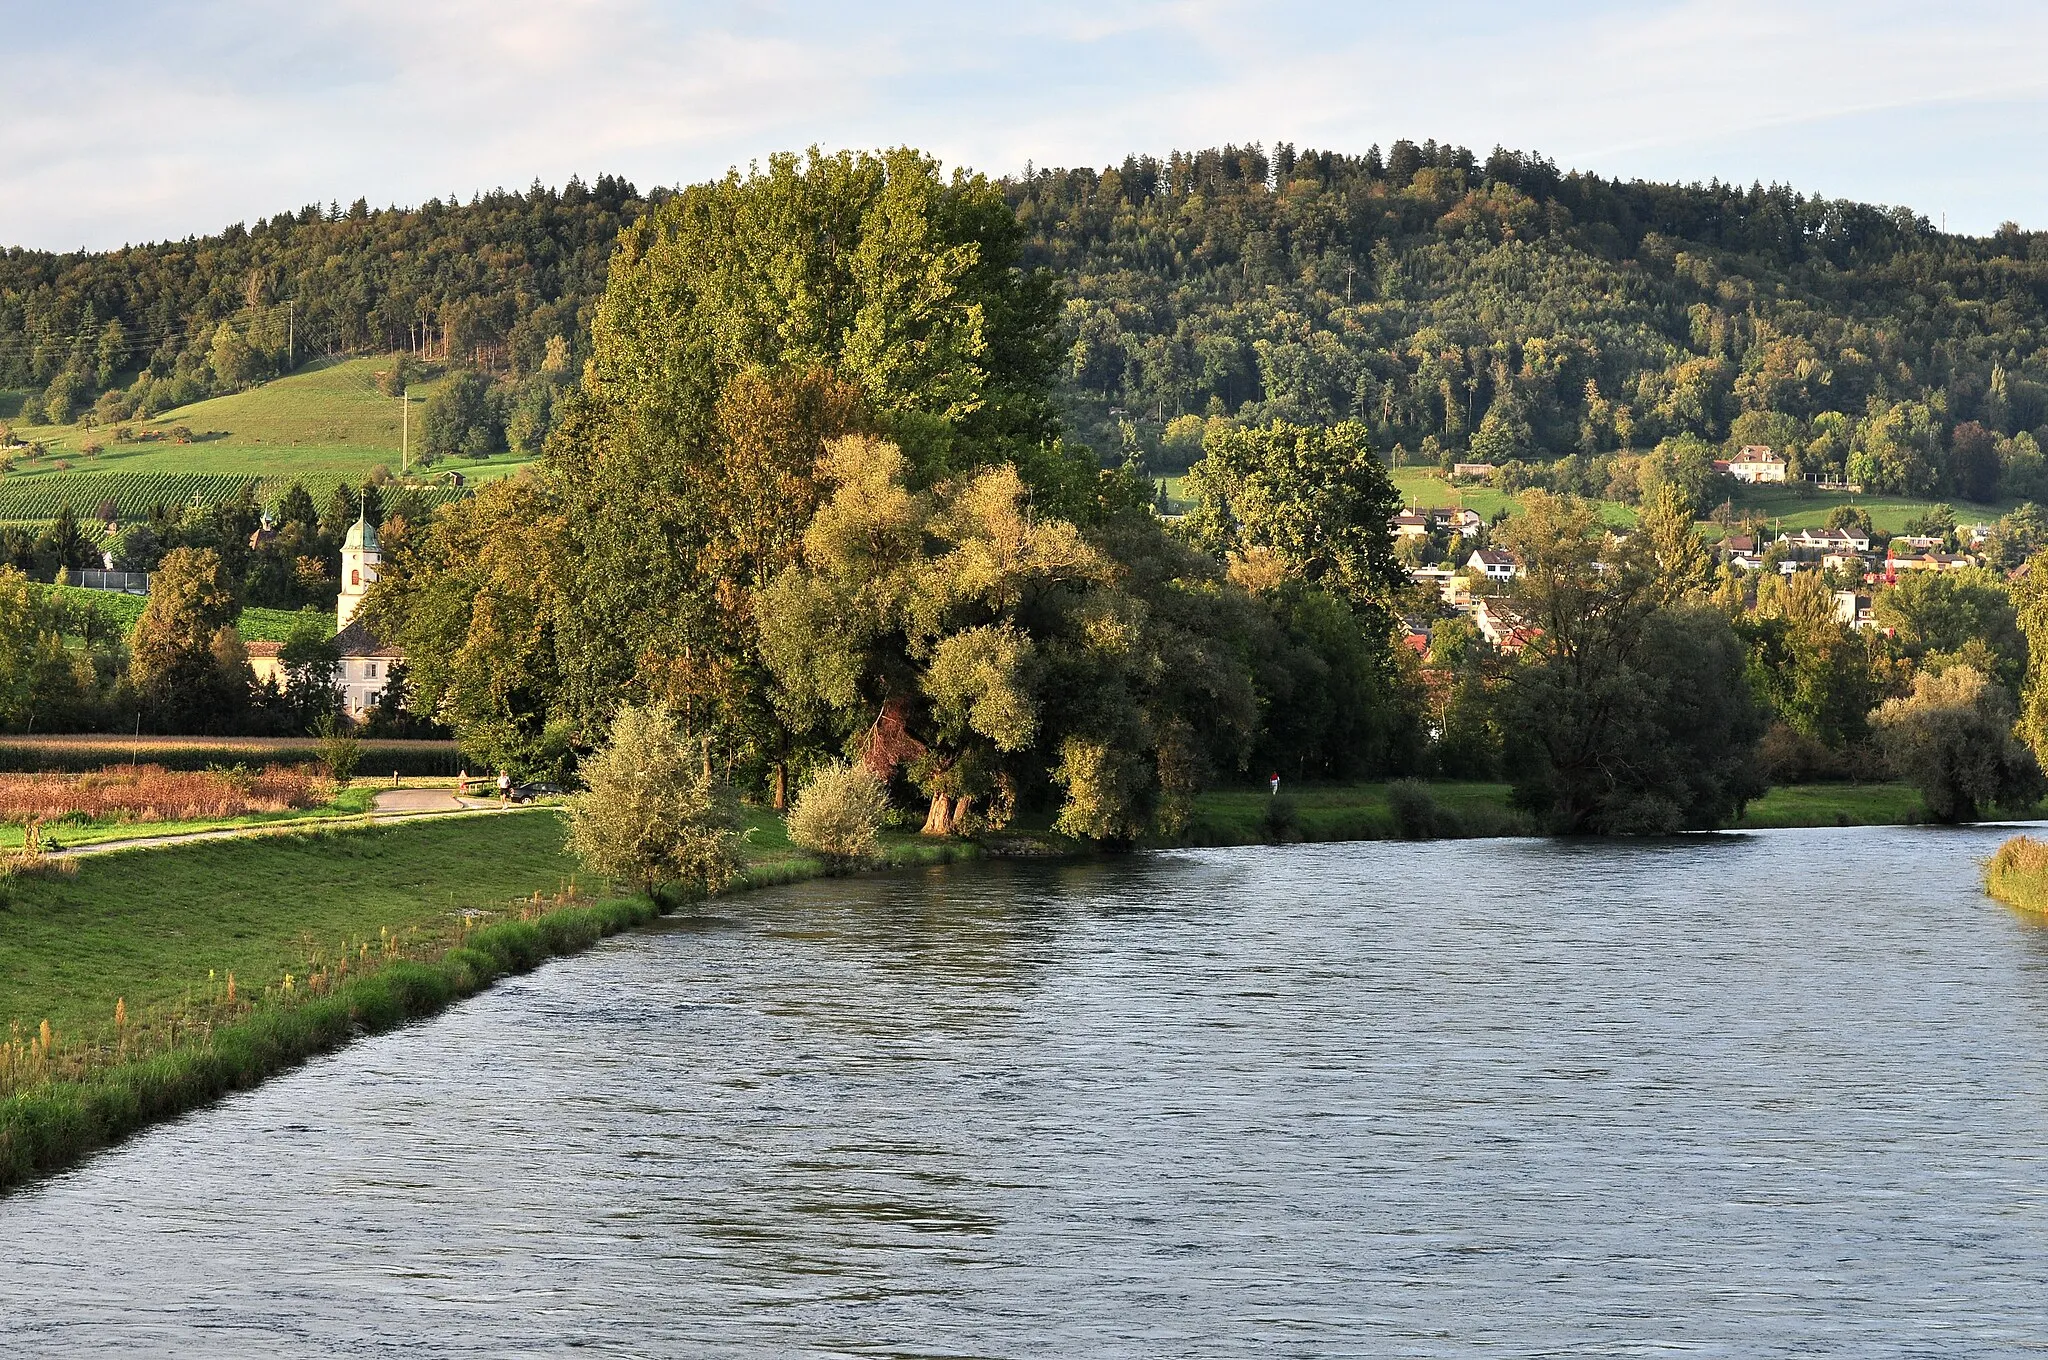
x,y
151,793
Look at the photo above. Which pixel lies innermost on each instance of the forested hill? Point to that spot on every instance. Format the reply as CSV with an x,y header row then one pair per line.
x,y
487,283
1519,311
1502,307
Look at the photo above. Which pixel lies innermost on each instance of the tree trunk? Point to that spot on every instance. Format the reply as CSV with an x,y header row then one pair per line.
x,y
957,823
939,818
781,787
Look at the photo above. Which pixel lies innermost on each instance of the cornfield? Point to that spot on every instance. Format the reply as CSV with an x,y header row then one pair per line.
x,y
151,793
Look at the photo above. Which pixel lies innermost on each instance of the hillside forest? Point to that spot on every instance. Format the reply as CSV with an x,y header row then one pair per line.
x,y
1501,310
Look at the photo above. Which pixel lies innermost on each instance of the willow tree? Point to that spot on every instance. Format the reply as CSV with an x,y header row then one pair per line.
x,y
955,636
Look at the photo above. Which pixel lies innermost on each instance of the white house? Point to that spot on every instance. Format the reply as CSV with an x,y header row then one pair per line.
x,y
1494,564
366,660
1846,539
1754,463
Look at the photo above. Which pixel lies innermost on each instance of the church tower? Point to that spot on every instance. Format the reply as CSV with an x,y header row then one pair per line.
x,y
359,561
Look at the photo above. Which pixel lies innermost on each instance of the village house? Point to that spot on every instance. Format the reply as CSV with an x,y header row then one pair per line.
x,y
1476,471
1501,626
1411,524
1853,609
1754,463
1933,561
1494,564
1468,523
1846,539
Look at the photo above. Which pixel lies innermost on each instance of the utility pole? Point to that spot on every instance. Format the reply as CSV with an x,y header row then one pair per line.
x,y
404,428
291,335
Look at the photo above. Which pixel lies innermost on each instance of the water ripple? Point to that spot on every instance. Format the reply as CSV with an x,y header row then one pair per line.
x,y
1760,1095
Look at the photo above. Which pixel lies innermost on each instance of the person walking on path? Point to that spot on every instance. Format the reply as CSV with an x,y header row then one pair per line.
x,y
1276,783
505,786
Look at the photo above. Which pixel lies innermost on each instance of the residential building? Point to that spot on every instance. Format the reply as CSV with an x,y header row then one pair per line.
x,y
1848,538
1494,564
1411,524
1754,463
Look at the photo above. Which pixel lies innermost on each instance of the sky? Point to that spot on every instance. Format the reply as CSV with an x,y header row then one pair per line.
x,y
133,120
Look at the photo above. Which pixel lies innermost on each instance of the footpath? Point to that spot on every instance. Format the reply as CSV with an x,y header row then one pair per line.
x,y
392,805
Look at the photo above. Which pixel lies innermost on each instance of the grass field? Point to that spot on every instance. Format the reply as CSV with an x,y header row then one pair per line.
x,y
1336,812
148,926
1835,805
322,425
267,625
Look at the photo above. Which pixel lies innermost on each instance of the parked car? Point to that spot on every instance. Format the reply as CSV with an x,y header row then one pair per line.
x,y
526,793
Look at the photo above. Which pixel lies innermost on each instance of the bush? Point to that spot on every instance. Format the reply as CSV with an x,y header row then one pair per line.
x,y
1282,819
838,813
1952,738
652,813
340,752
1417,814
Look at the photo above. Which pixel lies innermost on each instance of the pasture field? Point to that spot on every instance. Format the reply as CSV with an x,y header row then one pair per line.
x,y
323,425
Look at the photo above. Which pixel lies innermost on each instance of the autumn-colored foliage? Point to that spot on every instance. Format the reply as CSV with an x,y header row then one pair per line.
x,y
151,793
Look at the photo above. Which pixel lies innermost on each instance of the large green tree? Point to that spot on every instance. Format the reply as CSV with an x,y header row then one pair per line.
x,y
745,323
1630,711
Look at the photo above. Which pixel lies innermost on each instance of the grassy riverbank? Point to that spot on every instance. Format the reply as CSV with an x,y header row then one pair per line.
x,y
115,982
1445,809
2017,874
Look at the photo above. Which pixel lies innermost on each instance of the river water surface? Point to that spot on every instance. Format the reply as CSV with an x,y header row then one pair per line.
x,y
1783,1094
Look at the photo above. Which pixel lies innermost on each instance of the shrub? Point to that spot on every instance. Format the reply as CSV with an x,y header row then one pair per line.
x,y
652,813
2018,873
340,752
838,813
1282,819
1417,814
1952,738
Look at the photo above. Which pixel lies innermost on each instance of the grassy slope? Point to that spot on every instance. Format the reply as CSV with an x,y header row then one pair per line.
x,y
148,925
271,625
323,424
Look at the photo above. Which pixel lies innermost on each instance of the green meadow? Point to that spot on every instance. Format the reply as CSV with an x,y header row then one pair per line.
x,y
324,424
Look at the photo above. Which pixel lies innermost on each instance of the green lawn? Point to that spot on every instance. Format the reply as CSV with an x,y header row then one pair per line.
x,y
267,625
1786,506
1834,805
1336,812
324,424
149,925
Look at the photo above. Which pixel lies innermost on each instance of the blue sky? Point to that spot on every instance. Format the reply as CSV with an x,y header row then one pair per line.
x,y
126,121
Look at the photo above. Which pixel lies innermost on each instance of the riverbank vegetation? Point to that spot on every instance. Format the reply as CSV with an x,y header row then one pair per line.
x,y
2017,874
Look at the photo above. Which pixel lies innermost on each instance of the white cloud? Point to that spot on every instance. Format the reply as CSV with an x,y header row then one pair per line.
x,y
175,120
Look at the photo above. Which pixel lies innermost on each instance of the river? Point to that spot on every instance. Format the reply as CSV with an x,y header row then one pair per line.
x,y
1780,1094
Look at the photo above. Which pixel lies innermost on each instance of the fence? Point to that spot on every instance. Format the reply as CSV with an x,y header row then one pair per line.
x,y
92,578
